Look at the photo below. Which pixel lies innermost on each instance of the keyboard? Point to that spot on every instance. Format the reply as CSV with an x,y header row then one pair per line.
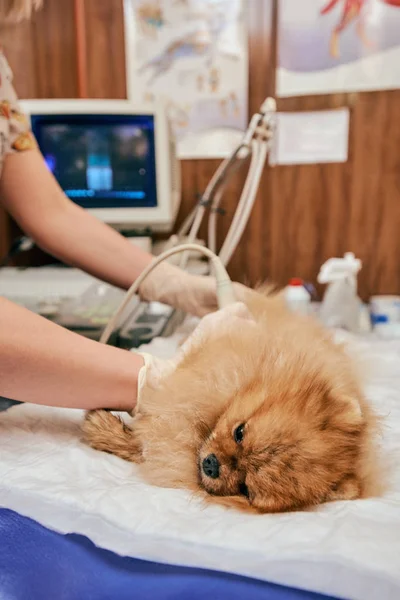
x,y
84,304
38,283
68,296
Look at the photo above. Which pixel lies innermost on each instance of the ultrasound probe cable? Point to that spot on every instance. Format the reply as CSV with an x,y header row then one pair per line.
x,y
258,140
225,293
256,143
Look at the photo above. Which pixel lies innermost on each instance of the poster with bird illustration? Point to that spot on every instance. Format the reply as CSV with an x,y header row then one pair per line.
x,y
327,46
192,56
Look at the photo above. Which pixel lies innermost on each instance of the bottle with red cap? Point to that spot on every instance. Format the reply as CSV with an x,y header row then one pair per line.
x,y
297,298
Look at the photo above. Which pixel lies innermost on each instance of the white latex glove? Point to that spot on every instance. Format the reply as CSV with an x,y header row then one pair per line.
x,y
156,369
194,294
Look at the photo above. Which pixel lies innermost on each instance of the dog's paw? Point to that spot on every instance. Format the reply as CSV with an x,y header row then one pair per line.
x,y
97,420
105,432
96,423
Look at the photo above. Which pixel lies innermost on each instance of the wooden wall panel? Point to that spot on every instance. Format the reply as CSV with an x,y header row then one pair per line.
x,y
309,206
17,41
43,58
303,214
42,52
254,251
325,210
105,49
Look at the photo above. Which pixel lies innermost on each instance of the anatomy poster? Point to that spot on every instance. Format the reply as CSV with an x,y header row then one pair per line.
x,y
192,55
338,45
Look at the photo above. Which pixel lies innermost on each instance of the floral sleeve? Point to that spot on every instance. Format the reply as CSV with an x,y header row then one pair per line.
x,y
15,132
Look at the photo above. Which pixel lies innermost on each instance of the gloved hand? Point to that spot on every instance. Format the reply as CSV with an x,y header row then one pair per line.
x,y
156,369
194,294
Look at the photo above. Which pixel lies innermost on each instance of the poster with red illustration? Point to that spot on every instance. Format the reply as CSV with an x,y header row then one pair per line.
x,y
327,46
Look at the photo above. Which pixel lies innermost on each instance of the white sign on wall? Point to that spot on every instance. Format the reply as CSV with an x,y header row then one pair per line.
x,y
312,137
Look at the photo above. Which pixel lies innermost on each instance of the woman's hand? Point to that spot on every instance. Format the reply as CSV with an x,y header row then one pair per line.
x,y
194,294
156,370
43,363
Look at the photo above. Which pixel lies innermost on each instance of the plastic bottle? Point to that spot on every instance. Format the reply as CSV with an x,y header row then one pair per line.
x,y
341,306
297,297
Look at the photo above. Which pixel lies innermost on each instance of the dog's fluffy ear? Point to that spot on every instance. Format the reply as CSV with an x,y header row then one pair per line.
x,y
351,416
354,413
347,489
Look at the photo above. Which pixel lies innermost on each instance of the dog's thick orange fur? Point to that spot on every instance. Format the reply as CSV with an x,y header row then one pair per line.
x,y
308,432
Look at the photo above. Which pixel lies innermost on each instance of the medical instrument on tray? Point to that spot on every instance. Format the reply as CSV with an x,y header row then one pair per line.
x,y
256,144
225,293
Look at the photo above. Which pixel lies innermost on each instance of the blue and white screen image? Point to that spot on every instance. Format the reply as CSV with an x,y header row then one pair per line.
x,y
101,161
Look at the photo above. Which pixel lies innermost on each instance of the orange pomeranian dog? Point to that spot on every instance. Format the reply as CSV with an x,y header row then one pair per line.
x,y
267,418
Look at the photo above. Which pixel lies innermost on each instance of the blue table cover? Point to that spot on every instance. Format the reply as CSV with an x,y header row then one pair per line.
x,y
39,564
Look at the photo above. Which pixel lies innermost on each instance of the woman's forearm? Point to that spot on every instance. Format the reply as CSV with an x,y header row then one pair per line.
x,y
34,198
43,363
79,239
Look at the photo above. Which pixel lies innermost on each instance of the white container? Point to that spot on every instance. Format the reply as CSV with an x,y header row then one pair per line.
x,y
297,298
388,331
341,306
387,307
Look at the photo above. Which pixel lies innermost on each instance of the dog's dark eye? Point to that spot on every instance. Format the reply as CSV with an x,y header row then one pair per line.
x,y
243,490
238,434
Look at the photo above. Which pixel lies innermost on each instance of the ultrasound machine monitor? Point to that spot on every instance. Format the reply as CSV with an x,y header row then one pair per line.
x,y
112,158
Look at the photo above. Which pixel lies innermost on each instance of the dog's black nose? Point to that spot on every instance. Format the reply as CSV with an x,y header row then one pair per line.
x,y
211,466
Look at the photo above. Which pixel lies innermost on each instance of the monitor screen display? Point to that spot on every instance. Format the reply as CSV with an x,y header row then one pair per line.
x,y
101,161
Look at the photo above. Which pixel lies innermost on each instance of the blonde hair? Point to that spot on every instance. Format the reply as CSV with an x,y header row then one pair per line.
x,y
14,11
